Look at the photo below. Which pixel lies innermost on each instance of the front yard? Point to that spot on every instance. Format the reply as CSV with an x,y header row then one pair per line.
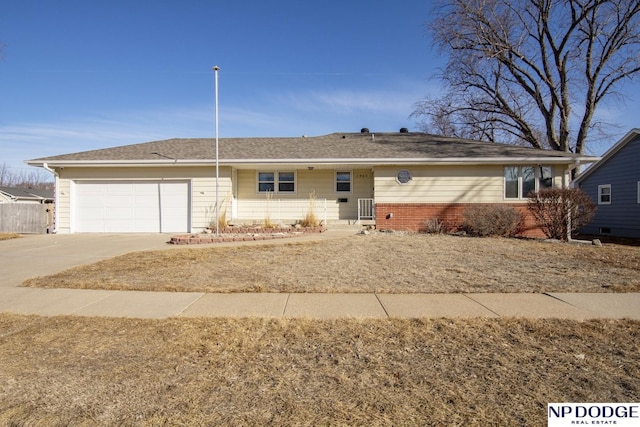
x,y
71,370
380,262
202,372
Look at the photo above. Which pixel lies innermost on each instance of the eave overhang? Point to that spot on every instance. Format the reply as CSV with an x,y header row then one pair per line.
x,y
320,162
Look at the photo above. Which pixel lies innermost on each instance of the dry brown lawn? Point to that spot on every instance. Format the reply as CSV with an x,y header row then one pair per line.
x,y
384,263
64,371
8,236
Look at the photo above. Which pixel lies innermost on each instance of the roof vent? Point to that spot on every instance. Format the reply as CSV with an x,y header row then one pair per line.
x,y
364,130
404,130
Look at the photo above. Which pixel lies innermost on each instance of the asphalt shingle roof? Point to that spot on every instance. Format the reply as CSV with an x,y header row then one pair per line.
x,y
333,146
27,193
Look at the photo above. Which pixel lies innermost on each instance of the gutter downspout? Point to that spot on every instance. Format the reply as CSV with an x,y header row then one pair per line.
x,y
566,178
56,186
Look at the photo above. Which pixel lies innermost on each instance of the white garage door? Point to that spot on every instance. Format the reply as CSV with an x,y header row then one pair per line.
x,y
132,206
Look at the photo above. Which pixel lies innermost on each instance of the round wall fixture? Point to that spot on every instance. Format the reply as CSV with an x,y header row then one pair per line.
x,y
403,176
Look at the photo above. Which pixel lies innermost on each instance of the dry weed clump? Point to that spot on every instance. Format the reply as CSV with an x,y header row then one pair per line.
x,y
9,236
384,263
433,226
310,218
84,371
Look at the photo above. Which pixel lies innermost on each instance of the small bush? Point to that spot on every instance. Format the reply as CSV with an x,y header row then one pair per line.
x,y
433,226
553,207
492,220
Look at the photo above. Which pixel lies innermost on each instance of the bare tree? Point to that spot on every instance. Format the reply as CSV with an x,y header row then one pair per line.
x,y
27,179
530,71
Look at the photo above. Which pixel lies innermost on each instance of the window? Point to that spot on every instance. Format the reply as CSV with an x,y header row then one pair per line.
x,y
519,181
343,182
604,194
266,182
281,182
638,191
546,177
511,182
286,182
403,176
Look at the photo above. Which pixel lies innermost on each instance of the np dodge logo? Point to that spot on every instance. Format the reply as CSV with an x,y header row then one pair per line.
x,y
575,414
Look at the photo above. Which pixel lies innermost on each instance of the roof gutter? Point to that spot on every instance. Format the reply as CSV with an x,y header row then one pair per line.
x,y
321,161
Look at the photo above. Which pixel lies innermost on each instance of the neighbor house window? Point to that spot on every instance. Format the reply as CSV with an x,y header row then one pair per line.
x,y
604,194
343,182
279,182
519,181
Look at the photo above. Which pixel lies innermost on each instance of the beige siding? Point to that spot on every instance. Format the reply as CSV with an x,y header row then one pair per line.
x,y
202,179
288,207
63,207
446,184
430,184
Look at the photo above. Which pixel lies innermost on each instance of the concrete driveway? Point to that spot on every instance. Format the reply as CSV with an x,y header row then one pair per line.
x,y
43,254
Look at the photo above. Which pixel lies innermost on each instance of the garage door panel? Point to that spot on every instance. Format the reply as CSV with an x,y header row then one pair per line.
x,y
119,200
143,206
175,202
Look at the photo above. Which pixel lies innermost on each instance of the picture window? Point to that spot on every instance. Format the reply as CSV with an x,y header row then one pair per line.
x,y
519,181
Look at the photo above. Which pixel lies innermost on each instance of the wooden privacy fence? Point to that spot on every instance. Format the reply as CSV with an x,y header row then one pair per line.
x,y
26,217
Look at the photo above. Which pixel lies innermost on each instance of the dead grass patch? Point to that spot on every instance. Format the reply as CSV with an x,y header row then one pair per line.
x,y
9,236
375,263
84,371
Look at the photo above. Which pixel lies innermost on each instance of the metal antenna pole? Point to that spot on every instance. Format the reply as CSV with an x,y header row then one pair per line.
x,y
216,69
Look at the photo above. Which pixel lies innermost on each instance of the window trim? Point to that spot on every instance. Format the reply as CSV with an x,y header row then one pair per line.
x,y
335,181
538,178
600,188
276,181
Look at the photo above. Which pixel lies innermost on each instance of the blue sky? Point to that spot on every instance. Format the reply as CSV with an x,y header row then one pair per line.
x,y
79,75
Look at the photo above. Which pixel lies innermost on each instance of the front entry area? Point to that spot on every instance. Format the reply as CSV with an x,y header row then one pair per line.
x,y
131,207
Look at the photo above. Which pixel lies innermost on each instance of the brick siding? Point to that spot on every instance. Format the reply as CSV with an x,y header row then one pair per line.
x,y
411,217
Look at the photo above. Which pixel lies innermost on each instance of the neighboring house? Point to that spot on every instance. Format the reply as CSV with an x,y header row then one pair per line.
x,y
614,184
26,210
397,180
25,195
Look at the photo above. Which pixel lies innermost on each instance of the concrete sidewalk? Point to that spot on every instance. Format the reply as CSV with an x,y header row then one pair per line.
x,y
159,305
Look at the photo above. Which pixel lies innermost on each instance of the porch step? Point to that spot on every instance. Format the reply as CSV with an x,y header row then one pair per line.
x,y
349,224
